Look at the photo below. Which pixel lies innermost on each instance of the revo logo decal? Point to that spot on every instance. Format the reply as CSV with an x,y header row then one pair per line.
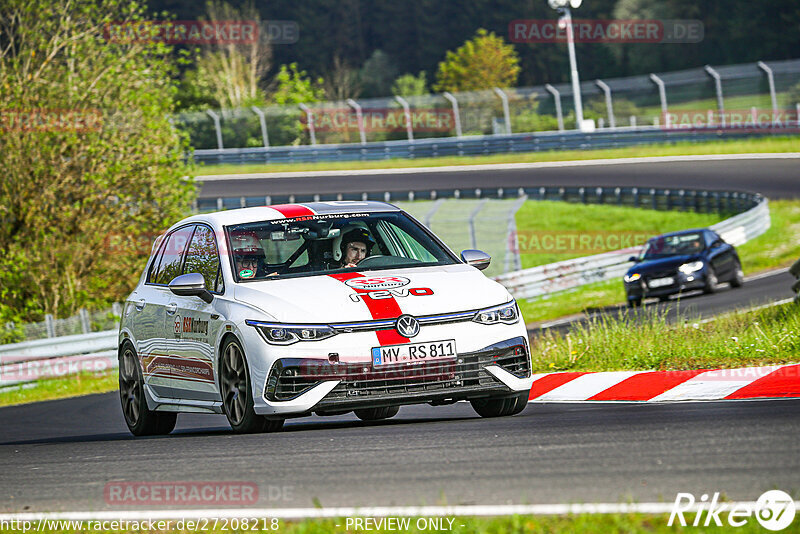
x,y
391,293
378,282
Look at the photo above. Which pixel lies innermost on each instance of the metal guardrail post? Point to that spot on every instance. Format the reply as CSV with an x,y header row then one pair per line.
x,y
612,123
86,326
217,127
662,95
456,116
263,120
512,246
407,110
718,85
473,238
310,120
50,325
557,98
506,114
360,117
771,80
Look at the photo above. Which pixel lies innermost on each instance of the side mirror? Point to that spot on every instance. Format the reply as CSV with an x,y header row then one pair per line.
x,y
477,258
191,285
634,259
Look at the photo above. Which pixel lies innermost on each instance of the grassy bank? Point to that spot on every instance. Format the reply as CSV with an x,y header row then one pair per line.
x,y
768,336
60,388
745,146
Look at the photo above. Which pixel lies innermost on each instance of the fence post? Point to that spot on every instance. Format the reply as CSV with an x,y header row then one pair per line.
x,y
718,85
456,116
473,239
360,118
612,123
407,110
506,114
217,127
512,246
771,80
86,326
662,95
49,325
116,309
263,120
310,120
557,99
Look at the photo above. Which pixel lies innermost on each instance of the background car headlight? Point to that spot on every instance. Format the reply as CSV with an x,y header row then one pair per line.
x,y
505,313
631,277
691,267
286,334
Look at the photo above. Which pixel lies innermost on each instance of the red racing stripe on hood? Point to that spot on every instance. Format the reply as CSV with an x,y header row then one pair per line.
x,y
292,210
379,309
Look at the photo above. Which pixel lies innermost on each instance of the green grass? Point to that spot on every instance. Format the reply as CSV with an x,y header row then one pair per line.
x,y
745,146
60,388
767,336
519,524
606,226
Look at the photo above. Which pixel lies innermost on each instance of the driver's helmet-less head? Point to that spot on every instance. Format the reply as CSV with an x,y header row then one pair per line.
x,y
246,248
357,235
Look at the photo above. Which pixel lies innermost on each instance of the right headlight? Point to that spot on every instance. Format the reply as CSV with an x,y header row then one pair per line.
x,y
691,267
286,334
505,313
631,277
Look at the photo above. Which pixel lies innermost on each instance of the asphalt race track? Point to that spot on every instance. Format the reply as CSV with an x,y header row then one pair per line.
x,y
773,178
59,455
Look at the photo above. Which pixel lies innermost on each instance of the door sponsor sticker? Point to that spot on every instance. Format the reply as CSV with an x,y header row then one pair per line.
x,y
378,282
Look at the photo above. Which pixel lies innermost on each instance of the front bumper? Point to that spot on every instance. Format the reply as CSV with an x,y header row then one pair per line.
x,y
301,386
682,283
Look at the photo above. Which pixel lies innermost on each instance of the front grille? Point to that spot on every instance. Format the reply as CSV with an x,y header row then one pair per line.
x,y
291,377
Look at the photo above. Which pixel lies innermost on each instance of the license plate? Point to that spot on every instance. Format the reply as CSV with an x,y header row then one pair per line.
x,y
661,282
411,353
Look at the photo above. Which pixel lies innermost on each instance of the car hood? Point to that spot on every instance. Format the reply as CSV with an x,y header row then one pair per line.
x,y
663,264
346,297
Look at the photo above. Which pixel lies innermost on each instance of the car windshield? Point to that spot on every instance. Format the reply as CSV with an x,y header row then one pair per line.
x,y
326,244
673,245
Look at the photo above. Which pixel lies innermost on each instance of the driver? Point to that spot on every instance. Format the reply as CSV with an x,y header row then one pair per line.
x,y
247,253
356,245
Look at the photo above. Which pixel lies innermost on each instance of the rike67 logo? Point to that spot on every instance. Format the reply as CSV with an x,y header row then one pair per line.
x,y
774,511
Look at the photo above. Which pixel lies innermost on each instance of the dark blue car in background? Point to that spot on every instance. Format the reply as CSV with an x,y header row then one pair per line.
x,y
682,261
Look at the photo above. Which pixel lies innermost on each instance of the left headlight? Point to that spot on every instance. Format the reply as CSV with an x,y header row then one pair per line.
x,y
286,334
691,267
505,313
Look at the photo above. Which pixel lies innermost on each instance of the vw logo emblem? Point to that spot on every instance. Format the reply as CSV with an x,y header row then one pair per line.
x,y
407,326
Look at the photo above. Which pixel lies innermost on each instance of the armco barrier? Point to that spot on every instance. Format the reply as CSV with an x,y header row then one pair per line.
x,y
58,356
478,145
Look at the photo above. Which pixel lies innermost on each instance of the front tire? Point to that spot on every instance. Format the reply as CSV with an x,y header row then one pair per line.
x,y
237,402
712,282
738,277
376,414
500,407
141,421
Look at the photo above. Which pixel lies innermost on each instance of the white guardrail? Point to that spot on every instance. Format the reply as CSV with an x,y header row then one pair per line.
x,y
569,274
67,355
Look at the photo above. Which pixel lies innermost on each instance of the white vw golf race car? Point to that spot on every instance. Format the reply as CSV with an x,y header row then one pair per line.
x,y
320,308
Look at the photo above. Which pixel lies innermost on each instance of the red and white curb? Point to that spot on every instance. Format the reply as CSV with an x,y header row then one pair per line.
x,y
774,381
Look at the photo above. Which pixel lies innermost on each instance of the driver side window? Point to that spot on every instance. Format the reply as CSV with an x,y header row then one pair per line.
x,y
170,261
202,258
